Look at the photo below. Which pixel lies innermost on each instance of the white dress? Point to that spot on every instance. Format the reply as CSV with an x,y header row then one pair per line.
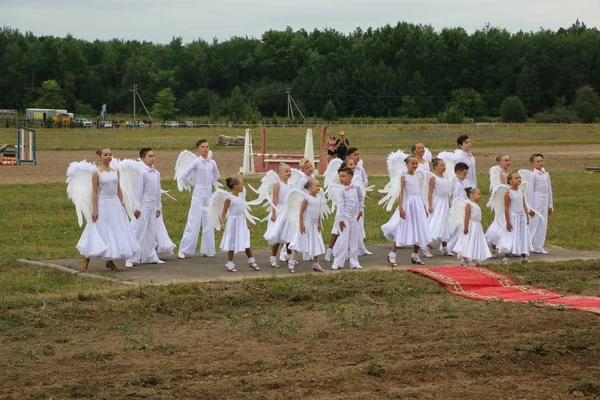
x,y
496,229
439,225
517,241
414,229
390,227
111,236
473,246
311,242
236,237
279,231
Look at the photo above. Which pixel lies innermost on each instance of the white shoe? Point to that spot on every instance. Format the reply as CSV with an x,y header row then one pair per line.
x,y
367,253
505,261
129,264
544,251
273,262
334,267
427,253
159,262
283,255
328,254
525,260
180,254
357,266
208,255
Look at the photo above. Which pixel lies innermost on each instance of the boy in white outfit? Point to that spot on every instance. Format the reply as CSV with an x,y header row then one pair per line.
x,y
206,175
539,197
464,155
351,206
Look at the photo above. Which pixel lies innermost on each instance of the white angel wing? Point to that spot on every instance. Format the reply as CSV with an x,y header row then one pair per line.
x,y
495,180
296,175
325,210
166,193
215,208
79,188
247,209
450,161
331,173
265,190
184,160
496,201
292,209
428,156
457,212
396,167
130,172
424,178
525,175
336,193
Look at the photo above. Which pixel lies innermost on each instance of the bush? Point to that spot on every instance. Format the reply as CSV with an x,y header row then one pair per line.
x,y
452,115
559,115
512,109
587,112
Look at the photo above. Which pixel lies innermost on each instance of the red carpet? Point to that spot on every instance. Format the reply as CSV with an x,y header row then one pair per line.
x,y
484,284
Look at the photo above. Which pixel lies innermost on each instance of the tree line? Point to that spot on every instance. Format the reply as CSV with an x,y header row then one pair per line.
x,y
403,70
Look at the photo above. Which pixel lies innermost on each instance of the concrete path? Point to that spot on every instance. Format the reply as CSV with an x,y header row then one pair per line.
x,y
201,269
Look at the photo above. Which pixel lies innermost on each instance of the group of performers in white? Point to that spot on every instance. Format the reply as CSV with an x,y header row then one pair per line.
x,y
437,202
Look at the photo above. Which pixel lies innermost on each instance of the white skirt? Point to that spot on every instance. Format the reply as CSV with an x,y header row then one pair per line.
x,y
236,237
389,228
111,237
309,243
473,245
439,227
279,231
414,229
496,230
164,243
517,241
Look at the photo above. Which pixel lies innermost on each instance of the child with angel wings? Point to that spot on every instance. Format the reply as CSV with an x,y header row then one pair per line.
x,y
97,195
539,196
466,214
350,201
498,177
305,212
439,206
300,177
233,212
461,155
516,239
140,180
201,173
274,191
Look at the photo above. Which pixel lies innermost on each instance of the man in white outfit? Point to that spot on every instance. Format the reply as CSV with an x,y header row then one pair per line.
x,y
206,174
539,197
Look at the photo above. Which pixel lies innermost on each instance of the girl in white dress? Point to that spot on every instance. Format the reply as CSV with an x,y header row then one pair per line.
x,y
308,239
278,228
498,175
516,238
236,235
110,235
413,228
471,245
439,206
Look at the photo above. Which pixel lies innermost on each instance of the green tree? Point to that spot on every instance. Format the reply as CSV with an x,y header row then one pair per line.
x,y
469,101
587,104
164,106
452,115
512,109
50,95
236,107
329,112
409,107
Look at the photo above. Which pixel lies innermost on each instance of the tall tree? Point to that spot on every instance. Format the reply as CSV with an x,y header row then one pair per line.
x,y
164,106
50,95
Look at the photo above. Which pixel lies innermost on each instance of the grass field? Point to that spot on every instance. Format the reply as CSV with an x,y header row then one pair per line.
x,y
377,334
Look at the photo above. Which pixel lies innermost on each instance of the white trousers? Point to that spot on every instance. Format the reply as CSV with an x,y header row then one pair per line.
x,y
537,225
347,244
198,218
145,229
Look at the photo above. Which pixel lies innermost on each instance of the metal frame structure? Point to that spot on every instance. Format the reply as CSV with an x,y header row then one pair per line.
x,y
26,145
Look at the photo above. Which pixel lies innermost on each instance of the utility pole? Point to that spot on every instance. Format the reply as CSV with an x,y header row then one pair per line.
x,y
137,94
291,103
134,93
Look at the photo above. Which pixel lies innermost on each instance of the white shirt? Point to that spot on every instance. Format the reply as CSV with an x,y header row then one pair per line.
x,y
352,201
206,173
148,190
539,185
469,159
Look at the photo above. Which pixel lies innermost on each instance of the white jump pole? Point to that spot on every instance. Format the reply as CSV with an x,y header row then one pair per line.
x,y
248,161
309,151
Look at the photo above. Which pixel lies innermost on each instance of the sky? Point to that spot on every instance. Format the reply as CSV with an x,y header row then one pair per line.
x,y
160,20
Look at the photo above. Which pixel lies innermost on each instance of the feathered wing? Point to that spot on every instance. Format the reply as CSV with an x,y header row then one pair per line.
x,y
248,210
450,161
265,190
166,193
428,156
396,167
457,212
325,211
292,209
184,160
215,208
525,175
331,173
79,189
495,180
335,194
496,201
130,172
296,175
424,178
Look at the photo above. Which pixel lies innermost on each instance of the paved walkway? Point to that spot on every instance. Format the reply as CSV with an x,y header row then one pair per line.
x,y
202,269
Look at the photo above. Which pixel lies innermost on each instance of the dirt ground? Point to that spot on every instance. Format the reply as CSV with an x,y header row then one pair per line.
x,y
52,165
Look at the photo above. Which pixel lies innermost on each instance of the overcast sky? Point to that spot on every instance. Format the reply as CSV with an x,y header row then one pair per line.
x,y
160,20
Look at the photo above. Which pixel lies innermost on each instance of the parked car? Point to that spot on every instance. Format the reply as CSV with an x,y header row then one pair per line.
x,y
106,124
186,124
138,124
82,122
171,124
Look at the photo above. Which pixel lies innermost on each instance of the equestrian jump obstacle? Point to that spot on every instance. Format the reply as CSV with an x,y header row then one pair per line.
x,y
26,145
263,161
